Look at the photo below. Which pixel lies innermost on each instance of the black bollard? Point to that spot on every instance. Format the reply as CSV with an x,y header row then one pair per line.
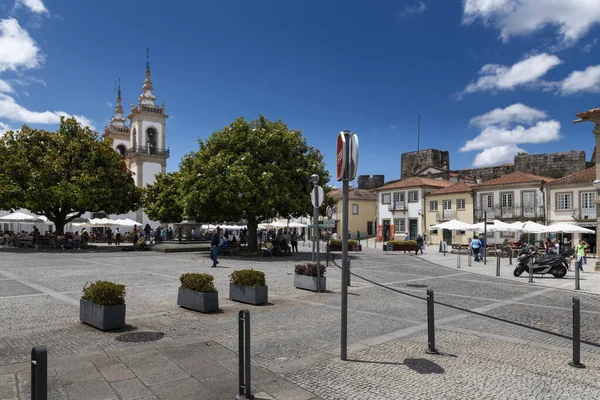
x,y
245,386
430,324
576,335
577,276
498,265
531,270
39,373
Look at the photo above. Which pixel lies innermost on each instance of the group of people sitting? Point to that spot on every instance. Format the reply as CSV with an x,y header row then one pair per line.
x,y
283,243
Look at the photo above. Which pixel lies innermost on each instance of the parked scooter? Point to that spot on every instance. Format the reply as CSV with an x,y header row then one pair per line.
x,y
555,264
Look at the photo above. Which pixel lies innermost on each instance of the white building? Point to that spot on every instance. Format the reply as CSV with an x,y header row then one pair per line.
x,y
402,204
514,197
571,199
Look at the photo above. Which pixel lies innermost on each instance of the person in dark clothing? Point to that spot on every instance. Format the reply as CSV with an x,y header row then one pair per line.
x,y
420,242
214,247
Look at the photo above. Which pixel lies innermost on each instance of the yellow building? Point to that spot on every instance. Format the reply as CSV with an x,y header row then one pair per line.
x,y
452,202
362,208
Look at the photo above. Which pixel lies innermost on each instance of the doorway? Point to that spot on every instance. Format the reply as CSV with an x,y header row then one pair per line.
x,y
448,236
386,230
413,231
369,228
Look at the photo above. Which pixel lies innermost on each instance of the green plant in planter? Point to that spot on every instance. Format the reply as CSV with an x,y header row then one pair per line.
x,y
104,293
248,277
310,269
402,242
338,242
198,282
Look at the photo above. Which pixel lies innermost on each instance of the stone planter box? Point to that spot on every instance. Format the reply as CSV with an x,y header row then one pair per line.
x,y
249,294
339,248
404,247
309,282
102,317
198,301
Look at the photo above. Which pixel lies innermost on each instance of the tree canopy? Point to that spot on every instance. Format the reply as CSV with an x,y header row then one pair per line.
x,y
253,171
162,200
63,174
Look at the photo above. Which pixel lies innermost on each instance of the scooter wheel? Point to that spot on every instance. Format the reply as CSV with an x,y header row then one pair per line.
x,y
519,270
560,273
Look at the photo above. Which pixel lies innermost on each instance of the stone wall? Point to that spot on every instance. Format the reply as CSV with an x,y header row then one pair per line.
x,y
486,173
554,165
415,161
367,182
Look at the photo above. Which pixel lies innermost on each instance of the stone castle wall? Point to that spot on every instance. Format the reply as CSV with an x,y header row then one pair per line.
x,y
554,165
367,182
415,161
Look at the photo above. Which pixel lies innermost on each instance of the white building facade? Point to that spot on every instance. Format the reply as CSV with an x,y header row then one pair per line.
x,y
401,207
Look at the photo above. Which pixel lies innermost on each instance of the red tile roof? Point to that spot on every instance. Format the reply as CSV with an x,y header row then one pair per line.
x,y
460,187
415,182
585,176
354,194
516,177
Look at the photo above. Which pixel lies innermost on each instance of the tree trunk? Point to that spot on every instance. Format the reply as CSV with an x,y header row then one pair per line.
x,y
59,223
252,228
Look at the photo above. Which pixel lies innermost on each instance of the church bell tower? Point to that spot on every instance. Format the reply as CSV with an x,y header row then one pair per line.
x,y
147,153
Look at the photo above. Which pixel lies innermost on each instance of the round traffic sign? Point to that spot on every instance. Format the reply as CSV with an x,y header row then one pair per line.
x,y
329,212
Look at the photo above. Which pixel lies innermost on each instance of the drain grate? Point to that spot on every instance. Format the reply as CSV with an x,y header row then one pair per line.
x,y
139,337
417,285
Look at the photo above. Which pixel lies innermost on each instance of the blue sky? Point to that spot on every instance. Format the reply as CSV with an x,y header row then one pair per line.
x,y
489,78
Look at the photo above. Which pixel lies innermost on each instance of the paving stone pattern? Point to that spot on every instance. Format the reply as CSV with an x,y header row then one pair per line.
x,y
295,339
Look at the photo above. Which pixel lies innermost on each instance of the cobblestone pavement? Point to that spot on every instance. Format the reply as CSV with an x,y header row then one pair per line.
x,y
297,335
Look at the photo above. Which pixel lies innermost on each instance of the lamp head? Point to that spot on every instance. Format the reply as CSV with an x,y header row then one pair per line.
x,y
314,178
596,184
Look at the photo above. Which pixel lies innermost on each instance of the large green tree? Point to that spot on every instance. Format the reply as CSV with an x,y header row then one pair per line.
x,y
253,171
63,174
162,200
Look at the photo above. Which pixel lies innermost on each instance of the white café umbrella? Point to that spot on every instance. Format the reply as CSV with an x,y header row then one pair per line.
x,y
534,227
453,225
565,227
102,222
127,222
20,217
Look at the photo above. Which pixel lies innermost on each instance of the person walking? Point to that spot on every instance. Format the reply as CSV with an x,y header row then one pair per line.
x,y
117,237
135,235
420,242
580,251
358,236
475,247
294,241
193,233
109,236
214,247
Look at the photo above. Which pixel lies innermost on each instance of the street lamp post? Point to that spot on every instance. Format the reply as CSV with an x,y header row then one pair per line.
x,y
594,116
315,181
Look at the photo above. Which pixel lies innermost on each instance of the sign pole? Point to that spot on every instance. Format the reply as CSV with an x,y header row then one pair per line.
x,y
345,272
317,230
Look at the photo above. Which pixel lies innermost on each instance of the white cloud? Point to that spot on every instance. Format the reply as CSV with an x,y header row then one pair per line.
x,y
492,136
572,18
515,113
588,47
587,80
10,110
497,155
5,87
501,77
17,49
419,7
4,128
35,6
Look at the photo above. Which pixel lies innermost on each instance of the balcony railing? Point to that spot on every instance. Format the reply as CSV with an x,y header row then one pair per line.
x,y
446,215
584,213
516,212
147,150
399,206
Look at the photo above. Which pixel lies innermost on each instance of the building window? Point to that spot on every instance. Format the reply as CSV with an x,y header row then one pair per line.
x,y
528,204
399,226
487,201
460,232
399,201
386,198
507,234
413,197
354,209
564,201
460,204
507,200
433,205
432,231
587,200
